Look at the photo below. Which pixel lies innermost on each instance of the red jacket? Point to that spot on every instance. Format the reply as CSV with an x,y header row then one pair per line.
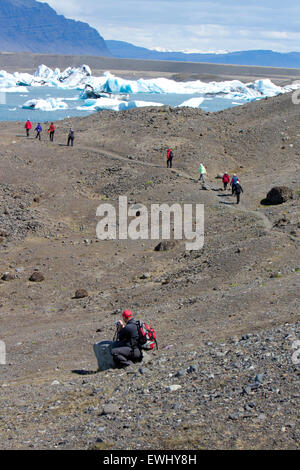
x,y
225,178
28,125
52,128
169,154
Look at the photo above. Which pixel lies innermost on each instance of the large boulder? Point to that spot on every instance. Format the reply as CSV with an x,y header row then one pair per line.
x,y
102,352
279,195
104,357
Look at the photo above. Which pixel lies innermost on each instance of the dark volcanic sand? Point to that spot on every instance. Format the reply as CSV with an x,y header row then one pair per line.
x,y
226,313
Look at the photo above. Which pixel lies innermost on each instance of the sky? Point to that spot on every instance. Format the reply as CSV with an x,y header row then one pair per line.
x,y
192,25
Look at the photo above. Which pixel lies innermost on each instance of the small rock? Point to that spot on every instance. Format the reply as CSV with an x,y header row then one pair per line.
x,y
193,368
37,277
8,277
109,409
166,245
259,378
173,388
145,276
181,373
81,293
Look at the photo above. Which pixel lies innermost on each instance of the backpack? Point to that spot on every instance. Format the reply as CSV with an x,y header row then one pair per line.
x,y
147,336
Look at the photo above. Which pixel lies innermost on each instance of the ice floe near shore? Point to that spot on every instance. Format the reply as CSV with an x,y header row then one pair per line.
x,y
112,92
114,104
80,77
51,104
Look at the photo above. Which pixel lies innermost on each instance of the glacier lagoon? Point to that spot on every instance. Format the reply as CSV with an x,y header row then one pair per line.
x,y
51,95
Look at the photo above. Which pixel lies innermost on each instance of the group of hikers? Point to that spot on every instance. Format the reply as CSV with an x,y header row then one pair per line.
x,y
235,184
51,132
236,188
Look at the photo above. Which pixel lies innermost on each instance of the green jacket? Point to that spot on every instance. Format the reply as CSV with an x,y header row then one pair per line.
x,y
202,169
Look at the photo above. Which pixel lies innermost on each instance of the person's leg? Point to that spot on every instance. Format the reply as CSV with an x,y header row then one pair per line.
x,y
137,355
237,198
69,141
72,142
171,163
121,356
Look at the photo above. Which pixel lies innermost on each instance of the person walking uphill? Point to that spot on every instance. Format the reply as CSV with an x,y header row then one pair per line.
x,y
38,131
51,131
225,180
170,156
233,182
238,190
202,171
71,137
28,126
127,351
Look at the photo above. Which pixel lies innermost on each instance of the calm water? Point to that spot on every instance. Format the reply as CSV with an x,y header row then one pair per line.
x,y
12,110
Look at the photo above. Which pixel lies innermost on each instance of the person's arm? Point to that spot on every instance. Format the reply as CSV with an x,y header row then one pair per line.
x,y
123,333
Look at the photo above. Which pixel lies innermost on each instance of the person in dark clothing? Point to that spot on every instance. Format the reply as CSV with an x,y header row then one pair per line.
x,y
238,190
127,350
71,137
38,131
170,156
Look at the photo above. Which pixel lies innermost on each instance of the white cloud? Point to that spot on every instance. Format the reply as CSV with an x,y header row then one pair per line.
x,y
191,24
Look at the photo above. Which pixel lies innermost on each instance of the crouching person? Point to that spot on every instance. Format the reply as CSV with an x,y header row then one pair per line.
x,y
127,351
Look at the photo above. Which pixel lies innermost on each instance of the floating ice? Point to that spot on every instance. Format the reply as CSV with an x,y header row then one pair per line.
x,y
52,104
80,78
192,103
113,104
14,89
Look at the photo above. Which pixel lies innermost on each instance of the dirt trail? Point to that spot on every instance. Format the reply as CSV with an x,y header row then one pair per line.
x,y
115,156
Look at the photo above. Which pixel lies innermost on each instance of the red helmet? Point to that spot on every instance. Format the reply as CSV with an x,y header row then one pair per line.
x,y
127,314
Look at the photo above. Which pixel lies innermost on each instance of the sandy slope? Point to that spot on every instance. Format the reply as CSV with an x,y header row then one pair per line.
x,y
196,300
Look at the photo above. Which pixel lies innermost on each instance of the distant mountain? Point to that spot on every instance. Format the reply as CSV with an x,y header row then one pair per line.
x,y
260,57
31,26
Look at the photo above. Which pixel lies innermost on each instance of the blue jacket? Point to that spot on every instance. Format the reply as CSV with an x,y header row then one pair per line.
x,y
38,128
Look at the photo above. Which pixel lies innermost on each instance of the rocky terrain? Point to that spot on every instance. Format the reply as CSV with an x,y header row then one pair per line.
x,y
226,374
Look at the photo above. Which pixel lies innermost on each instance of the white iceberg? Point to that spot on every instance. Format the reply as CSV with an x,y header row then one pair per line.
x,y
112,92
14,89
192,103
114,104
51,104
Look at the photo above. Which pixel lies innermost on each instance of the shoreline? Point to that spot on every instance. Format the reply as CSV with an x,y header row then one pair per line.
x,y
135,68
